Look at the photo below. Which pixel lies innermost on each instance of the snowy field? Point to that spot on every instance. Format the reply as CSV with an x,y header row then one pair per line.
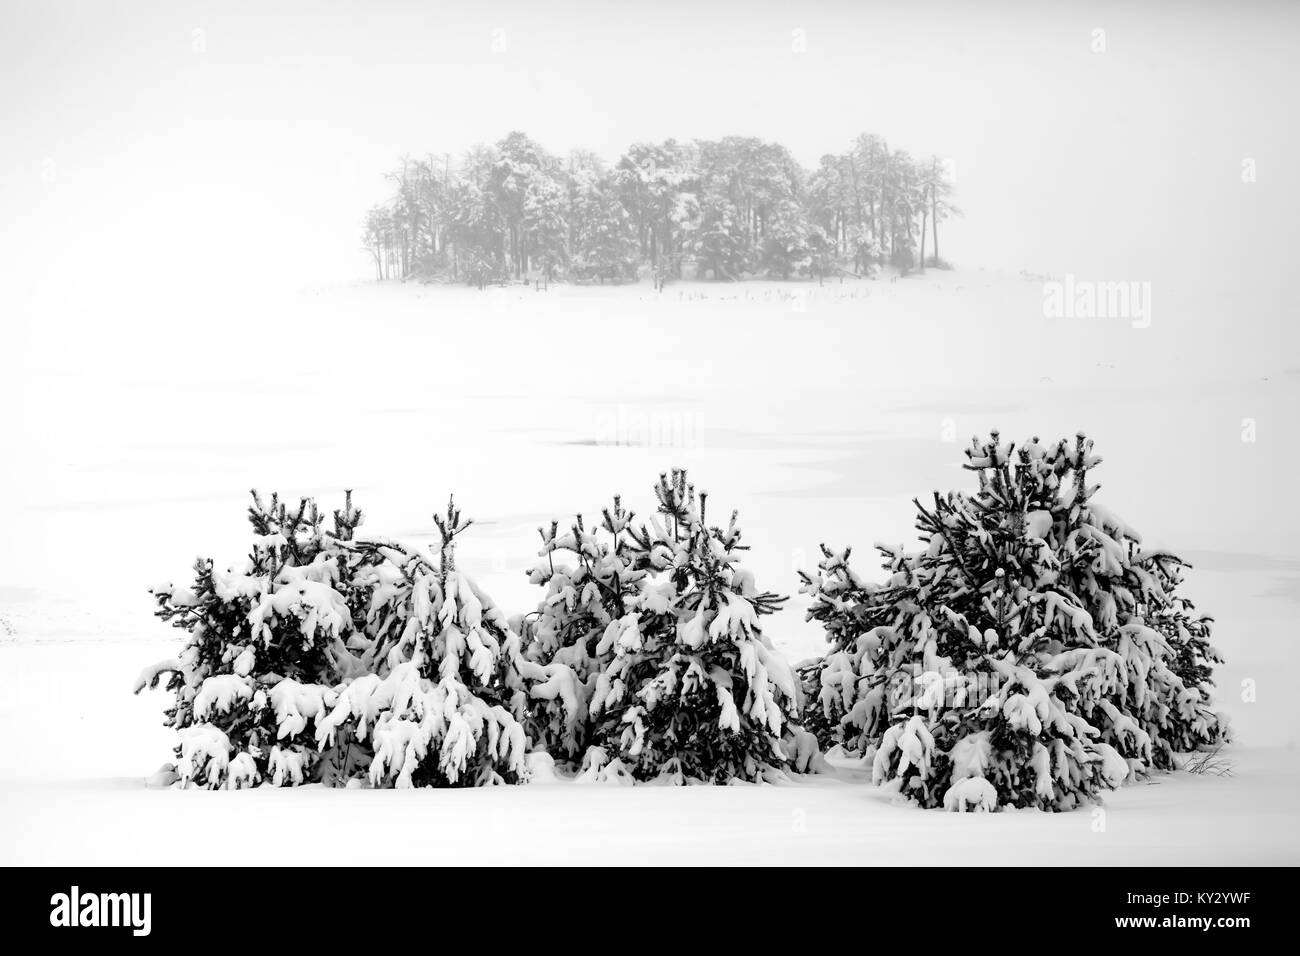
x,y
817,411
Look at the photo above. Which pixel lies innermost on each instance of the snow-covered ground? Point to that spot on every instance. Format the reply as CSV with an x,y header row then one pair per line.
x,y
74,794
817,411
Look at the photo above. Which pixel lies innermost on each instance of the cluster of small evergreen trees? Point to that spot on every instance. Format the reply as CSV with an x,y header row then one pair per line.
x,y
1031,654
332,657
721,208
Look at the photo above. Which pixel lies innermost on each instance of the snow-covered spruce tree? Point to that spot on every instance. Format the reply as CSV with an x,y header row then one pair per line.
x,y
592,577
442,703
1033,654
693,690
267,641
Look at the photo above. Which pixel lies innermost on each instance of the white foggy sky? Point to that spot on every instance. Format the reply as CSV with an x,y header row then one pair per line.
x,y
256,159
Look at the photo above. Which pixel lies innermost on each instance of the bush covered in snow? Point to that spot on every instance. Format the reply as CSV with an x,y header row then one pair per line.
x,y
593,578
442,702
659,626
327,657
1032,645
817,717
268,641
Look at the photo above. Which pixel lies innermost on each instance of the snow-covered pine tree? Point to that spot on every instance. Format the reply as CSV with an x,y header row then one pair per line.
x,y
1033,654
838,705
443,703
267,642
694,691
592,579
820,720
1192,722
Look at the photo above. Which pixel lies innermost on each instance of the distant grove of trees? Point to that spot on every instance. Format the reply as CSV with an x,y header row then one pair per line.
x,y
721,209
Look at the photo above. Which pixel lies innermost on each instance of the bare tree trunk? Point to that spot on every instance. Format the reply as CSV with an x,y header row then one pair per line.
x,y
923,212
934,222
